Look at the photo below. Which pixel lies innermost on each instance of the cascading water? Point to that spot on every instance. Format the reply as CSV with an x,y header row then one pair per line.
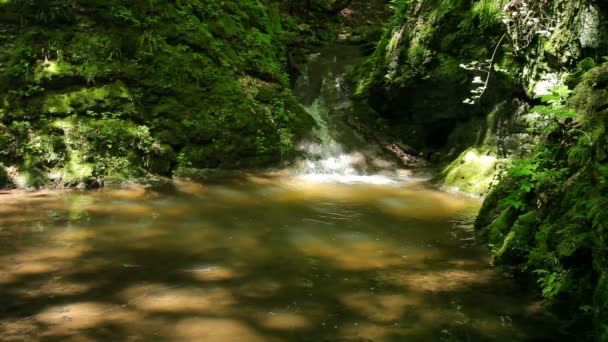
x,y
335,152
325,155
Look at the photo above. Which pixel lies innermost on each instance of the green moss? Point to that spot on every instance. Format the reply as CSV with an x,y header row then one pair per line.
x,y
500,227
518,243
172,67
473,171
50,70
90,100
77,171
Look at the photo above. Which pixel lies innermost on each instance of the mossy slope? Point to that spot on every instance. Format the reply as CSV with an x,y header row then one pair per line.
x,y
146,86
560,196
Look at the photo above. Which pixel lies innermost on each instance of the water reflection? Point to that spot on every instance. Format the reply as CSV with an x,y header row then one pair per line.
x,y
256,258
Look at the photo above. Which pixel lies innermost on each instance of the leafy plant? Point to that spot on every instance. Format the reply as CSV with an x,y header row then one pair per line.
x,y
556,104
551,282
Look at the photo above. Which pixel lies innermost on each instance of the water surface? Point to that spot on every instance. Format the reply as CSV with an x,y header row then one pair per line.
x,y
254,258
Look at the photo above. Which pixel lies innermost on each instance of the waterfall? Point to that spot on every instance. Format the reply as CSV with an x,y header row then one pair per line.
x,y
334,151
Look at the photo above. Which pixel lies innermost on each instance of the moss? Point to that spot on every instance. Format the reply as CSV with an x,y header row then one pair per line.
x,y
518,243
4,181
473,171
500,227
46,71
78,171
89,100
172,67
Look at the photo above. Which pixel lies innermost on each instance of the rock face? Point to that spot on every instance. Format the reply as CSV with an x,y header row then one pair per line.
x,y
97,89
542,215
436,52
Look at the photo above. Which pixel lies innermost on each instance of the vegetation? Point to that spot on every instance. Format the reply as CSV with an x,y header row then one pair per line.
x,y
531,136
547,215
507,98
111,89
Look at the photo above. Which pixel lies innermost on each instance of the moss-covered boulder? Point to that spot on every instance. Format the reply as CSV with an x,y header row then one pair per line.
x,y
473,171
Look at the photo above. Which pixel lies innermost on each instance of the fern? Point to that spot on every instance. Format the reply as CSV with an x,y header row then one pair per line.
x,y
552,283
578,156
489,13
598,212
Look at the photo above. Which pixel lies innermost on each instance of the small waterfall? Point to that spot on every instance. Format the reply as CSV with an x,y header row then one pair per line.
x,y
324,155
335,152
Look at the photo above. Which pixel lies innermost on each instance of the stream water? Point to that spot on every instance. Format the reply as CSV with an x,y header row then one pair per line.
x,y
343,248
258,258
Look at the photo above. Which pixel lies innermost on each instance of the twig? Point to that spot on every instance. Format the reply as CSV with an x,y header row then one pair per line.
x,y
485,86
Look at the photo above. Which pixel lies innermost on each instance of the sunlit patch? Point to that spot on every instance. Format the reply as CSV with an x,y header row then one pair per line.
x,y
19,330
264,179
349,254
213,273
130,193
422,205
39,260
178,211
51,68
175,299
188,187
216,330
74,235
71,318
232,195
380,307
57,288
132,209
471,264
438,281
285,321
348,179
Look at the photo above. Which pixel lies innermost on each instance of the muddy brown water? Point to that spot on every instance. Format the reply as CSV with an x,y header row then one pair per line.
x,y
254,258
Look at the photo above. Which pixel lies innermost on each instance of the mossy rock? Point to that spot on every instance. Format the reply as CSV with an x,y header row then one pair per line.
x,y
77,171
500,227
473,171
519,241
489,210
